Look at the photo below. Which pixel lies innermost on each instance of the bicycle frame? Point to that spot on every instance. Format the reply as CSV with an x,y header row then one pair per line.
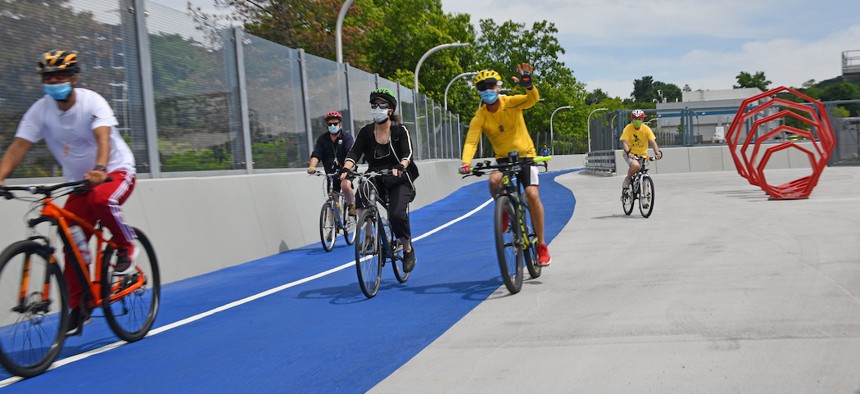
x,y
336,197
63,219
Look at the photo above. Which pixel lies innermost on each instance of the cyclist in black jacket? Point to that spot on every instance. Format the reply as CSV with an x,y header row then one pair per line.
x,y
385,144
331,149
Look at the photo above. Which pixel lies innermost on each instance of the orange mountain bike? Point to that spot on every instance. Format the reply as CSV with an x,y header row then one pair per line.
x,y
34,300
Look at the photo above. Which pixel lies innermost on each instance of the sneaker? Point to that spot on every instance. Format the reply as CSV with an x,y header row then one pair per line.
x,y
351,209
543,256
409,260
506,222
125,261
77,321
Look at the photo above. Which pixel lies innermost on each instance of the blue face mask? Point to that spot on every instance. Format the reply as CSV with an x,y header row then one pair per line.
x,y
490,96
60,91
334,129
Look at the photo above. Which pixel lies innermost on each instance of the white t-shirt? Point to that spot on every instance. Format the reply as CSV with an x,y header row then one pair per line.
x,y
69,134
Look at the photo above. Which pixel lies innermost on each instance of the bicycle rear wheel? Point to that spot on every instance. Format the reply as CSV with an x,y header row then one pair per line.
x,y
627,199
369,254
530,247
397,262
33,309
328,225
646,196
130,302
348,223
508,244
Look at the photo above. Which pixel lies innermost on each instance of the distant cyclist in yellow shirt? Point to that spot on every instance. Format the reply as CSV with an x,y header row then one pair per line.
x,y
634,140
500,118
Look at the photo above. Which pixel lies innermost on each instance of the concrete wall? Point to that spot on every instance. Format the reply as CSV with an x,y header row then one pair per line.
x,y
715,158
198,225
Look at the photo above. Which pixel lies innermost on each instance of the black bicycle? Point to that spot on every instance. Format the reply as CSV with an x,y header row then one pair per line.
x,y
641,188
374,241
516,241
334,215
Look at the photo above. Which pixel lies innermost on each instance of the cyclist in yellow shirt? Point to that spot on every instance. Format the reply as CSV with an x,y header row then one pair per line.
x,y
500,118
634,140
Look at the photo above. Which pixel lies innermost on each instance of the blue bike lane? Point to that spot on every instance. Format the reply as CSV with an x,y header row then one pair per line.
x,y
321,335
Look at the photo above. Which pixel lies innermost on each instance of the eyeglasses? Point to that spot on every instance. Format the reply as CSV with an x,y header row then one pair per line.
x,y
380,105
486,84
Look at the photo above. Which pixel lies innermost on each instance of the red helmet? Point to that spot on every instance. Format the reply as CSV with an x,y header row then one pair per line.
x,y
637,114
333,115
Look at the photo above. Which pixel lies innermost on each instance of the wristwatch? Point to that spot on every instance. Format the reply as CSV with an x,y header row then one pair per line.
x,y
100,168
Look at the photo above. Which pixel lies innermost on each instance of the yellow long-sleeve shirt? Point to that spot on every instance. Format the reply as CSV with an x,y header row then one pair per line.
x,y
505,128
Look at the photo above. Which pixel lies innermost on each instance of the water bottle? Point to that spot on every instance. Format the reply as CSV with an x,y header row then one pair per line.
x,y
81,240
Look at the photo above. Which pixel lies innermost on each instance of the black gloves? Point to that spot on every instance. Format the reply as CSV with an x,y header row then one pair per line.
x,y
526,80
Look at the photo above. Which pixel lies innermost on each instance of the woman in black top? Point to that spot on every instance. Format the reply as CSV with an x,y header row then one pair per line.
x,y
386,144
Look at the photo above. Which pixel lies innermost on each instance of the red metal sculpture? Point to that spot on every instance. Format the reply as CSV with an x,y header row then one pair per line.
x,y
761,109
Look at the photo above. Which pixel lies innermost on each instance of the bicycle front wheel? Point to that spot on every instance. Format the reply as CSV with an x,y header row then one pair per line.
x,y
328,225
508,244
627,199
130,302
33,309
369,254
646,196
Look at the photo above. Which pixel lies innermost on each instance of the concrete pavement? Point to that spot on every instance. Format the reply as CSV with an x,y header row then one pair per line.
x,y
720,290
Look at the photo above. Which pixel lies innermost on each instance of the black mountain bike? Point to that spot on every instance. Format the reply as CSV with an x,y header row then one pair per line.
x,y
374,242
334,215
641,188
516,241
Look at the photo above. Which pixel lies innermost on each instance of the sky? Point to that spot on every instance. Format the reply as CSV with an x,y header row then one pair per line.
x,y
704,44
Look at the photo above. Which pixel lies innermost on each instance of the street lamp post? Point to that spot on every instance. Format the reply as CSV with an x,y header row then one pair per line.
x,y
338,38
588,125
418,70
445,100
551,135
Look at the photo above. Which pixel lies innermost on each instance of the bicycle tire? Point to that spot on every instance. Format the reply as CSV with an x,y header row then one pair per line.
x,y
530,247
397,262
368,253
628,199
646,196
508,249
131,316
328,227
348,223
32,332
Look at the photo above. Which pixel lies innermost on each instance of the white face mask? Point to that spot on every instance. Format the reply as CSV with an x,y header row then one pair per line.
x,y
334,129
379,115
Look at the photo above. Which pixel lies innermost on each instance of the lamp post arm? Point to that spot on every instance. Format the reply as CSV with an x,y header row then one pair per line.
x,y
445,101
338,35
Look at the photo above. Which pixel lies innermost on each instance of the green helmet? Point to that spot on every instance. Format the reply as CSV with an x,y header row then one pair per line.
x,y
386,95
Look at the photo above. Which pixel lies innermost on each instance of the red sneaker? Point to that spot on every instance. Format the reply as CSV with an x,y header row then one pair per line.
x,y
543,256
506,222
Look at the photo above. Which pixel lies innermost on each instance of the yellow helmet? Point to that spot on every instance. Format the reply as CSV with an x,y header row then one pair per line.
x,y
484,75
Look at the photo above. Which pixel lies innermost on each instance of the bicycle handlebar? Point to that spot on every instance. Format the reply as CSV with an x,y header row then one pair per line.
x,y
483,167
45,190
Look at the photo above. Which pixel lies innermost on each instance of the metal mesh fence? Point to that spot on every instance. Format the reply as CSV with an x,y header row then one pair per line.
x,y
191,95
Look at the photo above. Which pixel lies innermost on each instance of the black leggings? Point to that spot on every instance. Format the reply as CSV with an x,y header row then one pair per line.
x,y
398,194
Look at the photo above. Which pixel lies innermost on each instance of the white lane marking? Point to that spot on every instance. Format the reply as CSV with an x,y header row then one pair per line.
x,y
159,330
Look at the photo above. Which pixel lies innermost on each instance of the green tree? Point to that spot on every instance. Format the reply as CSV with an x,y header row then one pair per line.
x,y
596,96
747,80
643,90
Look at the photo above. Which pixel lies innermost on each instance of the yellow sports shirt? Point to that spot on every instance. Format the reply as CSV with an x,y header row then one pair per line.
x,y
505,128
637,140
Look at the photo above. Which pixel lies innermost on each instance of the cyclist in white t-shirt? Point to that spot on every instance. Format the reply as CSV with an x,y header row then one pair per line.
x,y
79,128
